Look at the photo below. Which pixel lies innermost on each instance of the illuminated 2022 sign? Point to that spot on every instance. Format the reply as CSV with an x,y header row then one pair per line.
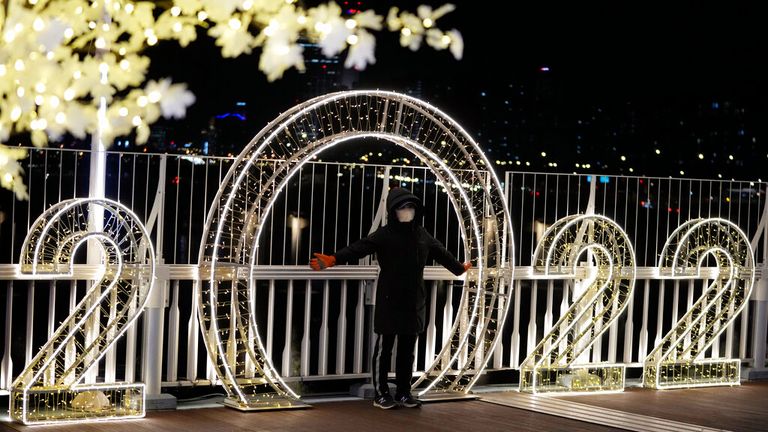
x,y
49,389
677,360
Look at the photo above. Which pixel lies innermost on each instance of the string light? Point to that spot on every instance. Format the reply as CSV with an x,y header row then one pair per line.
x,y
553,366
676,361
454,158
47,391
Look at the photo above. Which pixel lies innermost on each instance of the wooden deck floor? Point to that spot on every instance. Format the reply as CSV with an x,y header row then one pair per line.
x,y
740,408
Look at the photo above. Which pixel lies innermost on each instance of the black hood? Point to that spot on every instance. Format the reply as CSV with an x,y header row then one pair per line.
x,y
399,196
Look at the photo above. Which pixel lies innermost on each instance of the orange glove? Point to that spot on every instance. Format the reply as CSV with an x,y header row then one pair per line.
x,y
467,266
322,262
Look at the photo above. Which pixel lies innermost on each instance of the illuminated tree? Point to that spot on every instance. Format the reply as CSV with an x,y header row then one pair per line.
x,y
77,66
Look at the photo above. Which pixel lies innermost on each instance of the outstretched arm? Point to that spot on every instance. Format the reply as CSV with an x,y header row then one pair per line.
x,y
446,259
353,252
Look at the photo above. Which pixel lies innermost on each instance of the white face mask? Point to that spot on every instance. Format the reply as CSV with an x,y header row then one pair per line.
x,y
406,214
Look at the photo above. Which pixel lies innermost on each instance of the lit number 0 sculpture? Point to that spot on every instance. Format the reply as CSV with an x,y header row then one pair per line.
x,y
677,360
553,365
49,390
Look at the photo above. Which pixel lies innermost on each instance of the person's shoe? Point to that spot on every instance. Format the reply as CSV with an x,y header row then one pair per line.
x,y
384,402
408,401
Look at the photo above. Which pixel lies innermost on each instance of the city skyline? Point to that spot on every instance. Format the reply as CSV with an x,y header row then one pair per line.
x,y
643,69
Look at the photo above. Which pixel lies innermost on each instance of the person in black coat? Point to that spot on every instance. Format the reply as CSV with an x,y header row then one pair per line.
x,y
403,247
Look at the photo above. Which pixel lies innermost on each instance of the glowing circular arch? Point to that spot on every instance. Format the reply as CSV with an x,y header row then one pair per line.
x,y
249,190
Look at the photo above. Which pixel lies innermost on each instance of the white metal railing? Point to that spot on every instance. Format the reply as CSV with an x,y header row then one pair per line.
x,y
317,326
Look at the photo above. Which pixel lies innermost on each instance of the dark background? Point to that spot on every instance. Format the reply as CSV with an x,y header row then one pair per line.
x,y
625,78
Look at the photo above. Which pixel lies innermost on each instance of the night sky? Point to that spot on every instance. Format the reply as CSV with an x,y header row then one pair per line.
x,y
664,60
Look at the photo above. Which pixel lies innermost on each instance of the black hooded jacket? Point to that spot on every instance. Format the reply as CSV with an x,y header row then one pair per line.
x,y
403,250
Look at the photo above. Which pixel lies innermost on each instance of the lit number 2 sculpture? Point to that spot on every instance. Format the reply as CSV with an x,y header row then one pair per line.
x,y
677,360
553,365
49,390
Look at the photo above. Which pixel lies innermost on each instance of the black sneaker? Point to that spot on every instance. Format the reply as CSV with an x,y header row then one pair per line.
x,y
384,402
408,401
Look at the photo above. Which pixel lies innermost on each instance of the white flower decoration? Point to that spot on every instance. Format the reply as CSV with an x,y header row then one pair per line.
x,y
278,56
361,54
59,60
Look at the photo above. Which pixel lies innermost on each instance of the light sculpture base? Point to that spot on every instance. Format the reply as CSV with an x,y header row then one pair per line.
x,y
265,403
685,374
574,379
92,402
446,396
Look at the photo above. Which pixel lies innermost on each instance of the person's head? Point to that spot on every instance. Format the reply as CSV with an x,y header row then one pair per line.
x,y
406,212
402,205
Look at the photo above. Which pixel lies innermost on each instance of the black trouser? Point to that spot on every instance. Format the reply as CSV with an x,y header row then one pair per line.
x,y
381,362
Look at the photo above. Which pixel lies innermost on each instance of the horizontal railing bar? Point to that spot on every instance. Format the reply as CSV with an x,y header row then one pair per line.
x,y
343,272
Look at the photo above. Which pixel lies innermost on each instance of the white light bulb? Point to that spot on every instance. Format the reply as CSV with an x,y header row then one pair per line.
x,y
69,94
136,121
202,16
175,11
123,111
154,97
20,92
235,24
101,43
350,24
142,101
15,113
406,31
54,101
428,22
9,36
61,118
38,24
124,64
39,124
177,27
19,65
352,39
3,70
